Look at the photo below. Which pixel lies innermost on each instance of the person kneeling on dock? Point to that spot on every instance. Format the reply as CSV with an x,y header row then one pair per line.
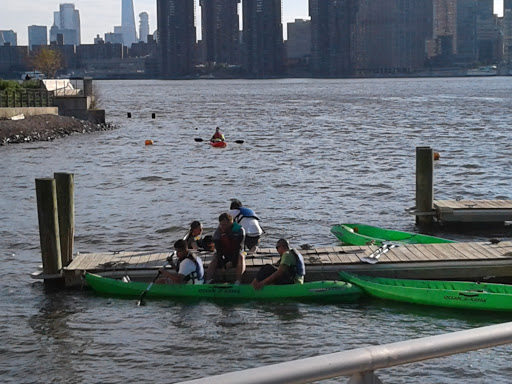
x,y
189,267
291,268
229,248
193,236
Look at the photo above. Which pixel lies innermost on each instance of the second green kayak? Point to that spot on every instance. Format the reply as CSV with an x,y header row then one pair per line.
x,y
337,291
361,234
453,294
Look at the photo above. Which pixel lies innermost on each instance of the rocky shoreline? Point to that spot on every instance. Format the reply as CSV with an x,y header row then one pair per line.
x,y
45,128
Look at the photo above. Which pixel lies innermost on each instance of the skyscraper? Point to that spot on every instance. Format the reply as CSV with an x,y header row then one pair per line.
x,y
220,30
66,22
143,27
319,13
467,52
299,39
128,23
9,37
176,36
488,34
37,35
390,35
332,24
263,50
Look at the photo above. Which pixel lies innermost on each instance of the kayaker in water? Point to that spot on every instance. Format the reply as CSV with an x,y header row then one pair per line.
x,y
189,268
193,236
291,268
249,221
217,136
229,246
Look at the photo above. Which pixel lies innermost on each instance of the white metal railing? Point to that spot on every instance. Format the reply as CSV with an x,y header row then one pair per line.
x,y
361,363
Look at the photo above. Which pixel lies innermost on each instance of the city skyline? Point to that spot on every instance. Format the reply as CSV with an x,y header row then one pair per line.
x,y
19,15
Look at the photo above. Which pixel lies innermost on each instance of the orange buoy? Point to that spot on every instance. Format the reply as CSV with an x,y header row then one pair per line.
x,y
437,156
148,142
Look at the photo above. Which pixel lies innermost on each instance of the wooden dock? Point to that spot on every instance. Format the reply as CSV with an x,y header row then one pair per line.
x,y
473,211
458,261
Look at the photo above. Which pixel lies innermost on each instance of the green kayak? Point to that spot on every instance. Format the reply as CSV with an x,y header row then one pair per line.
x,y
360,234
338,291
453,294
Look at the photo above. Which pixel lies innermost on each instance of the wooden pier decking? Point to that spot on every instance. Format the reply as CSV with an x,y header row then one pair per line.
x,y
457,261
473,211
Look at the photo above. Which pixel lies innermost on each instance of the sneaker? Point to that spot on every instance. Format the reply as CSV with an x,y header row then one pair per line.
x,y
237,282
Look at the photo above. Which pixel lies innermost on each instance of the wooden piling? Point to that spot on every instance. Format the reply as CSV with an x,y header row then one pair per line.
x,y
65,187
48,226
424,186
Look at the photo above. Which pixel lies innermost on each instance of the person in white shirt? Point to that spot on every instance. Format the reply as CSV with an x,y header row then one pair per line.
x,y
250,223
189,268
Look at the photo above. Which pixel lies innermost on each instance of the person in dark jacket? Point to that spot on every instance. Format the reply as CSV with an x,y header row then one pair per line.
x,y
229,248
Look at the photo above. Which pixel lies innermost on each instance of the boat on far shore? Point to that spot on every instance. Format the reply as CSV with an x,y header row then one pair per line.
x,y
361,234
488,70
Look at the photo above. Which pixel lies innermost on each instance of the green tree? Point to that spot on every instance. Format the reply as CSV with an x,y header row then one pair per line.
x,y
47,61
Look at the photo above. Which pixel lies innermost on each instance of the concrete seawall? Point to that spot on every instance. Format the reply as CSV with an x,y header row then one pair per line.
x,y
6,113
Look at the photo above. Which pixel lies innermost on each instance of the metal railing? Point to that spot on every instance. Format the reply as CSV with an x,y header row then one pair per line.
x,y
21,98
361,363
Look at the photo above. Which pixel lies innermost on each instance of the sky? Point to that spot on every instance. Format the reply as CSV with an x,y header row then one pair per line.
x,y
100,16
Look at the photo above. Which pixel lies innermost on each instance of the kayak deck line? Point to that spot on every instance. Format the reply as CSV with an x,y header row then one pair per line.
x,y
461,261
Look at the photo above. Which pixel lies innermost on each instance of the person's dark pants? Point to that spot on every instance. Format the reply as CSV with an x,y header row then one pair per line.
x,y
269,269
223,260
251,241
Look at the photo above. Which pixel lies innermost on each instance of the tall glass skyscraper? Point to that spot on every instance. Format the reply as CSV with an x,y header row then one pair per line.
x,y
176,37
143,27
128,23
37,35
220,30
263,48
66,22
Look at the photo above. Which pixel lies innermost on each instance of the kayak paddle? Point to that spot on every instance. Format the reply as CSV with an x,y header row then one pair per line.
x,y
141,298
199,140
374,257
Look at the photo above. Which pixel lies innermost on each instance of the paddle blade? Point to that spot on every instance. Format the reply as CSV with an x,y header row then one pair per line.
x,y
141,302
370,260
198,139
239,141
141,299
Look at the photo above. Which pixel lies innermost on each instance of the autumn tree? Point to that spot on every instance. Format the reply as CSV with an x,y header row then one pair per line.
x,y
47,61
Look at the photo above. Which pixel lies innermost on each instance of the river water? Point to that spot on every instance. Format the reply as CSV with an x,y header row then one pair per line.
x,y
315,153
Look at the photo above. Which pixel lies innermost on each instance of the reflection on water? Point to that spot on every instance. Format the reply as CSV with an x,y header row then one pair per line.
x,y
315,153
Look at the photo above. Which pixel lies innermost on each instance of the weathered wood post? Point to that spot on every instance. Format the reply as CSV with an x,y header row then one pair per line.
x,y
48,227
66,212
424,186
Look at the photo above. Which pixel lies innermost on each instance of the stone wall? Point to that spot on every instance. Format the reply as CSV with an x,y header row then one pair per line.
x,y
28,111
